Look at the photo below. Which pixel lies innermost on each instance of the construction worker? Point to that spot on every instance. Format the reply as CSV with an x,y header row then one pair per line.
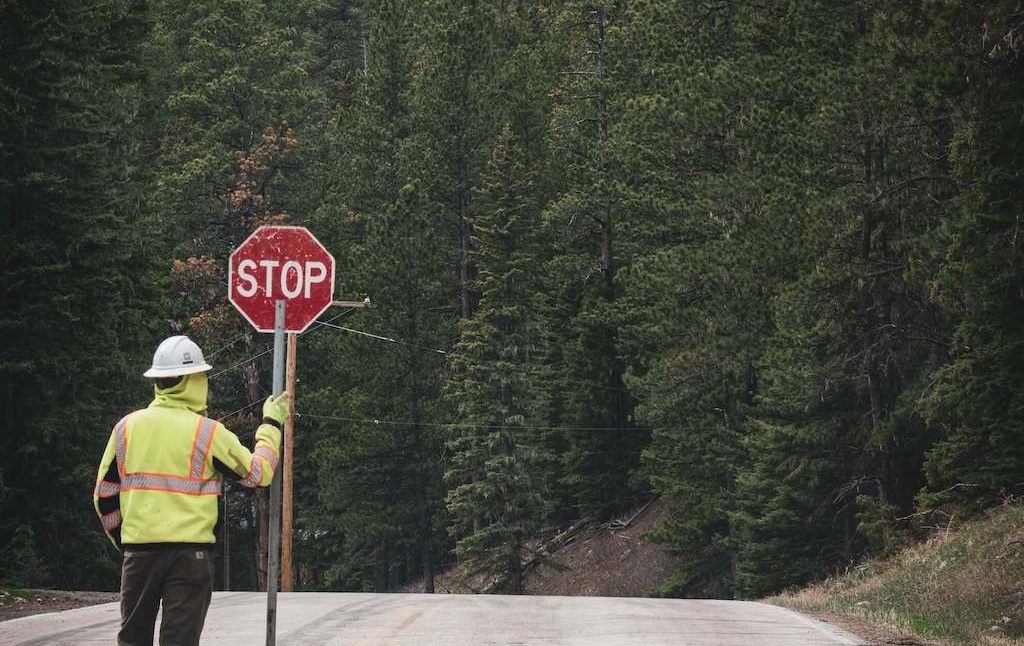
x,y
156,494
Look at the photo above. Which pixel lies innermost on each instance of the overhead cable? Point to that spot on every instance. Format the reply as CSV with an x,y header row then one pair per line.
x,y
470,426
266,352
243,408
382,338
225,346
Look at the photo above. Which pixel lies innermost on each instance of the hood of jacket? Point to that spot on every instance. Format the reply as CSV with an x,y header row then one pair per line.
x,y
191,393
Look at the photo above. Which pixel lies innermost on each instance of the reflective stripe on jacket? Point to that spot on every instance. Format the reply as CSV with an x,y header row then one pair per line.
x,y
162,470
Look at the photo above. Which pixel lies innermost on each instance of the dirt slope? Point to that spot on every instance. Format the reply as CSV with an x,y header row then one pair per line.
x,y
606,561
610,560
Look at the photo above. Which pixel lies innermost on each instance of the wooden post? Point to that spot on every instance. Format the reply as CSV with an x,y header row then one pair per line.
x,y
287,576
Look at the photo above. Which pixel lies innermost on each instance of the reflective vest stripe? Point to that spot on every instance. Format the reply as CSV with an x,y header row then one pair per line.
x,y
195,446
191,485
106,489
174,484
201,445
121,442
255,475
267,454
111,520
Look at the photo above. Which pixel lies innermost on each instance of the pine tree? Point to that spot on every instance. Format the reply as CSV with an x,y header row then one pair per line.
x,y
975,403
587,311
393,252
785,254
378,484
497,476
76,305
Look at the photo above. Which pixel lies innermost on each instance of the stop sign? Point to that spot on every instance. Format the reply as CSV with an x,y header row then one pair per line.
x,y
276,263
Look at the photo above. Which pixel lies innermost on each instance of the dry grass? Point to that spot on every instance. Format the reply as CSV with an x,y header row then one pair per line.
x,y
966,587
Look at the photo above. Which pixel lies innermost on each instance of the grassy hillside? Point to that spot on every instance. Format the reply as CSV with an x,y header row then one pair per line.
x,y
964,586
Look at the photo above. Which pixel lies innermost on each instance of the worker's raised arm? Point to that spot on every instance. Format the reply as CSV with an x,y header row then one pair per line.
x,y
255,468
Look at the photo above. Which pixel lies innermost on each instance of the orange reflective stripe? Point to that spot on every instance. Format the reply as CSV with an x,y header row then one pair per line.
x,y
111,520
170,483
106,489
201,445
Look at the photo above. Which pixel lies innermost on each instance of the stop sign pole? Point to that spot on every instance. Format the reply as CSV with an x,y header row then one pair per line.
x,y
281,274
274,529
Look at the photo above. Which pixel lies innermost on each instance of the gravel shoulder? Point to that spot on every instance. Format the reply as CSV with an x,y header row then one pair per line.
x,y
22,603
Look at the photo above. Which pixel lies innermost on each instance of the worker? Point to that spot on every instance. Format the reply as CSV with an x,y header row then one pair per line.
x,y
156,494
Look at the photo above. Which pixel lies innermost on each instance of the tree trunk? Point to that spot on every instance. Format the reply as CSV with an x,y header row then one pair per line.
x,y
251,381
262,538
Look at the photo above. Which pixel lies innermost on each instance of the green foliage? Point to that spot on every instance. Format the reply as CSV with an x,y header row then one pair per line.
x,y
497,476
76,306
377,491
974,402
758,259
586,310
23,561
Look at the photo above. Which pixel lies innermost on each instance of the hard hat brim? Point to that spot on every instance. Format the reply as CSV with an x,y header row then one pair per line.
x,y
179,371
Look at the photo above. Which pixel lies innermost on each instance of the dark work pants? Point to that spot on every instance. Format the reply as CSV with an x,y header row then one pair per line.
x,y
182,577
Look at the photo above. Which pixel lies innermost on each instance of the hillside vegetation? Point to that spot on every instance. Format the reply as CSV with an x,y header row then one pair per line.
x,y
966,585
611,559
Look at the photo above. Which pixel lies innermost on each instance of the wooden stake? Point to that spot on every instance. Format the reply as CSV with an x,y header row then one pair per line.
x,y
287,576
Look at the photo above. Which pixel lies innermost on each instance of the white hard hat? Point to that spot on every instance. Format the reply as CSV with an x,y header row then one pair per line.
x,y
177,356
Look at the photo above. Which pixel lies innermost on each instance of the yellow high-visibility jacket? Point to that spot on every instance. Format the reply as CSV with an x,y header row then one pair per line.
x,y
164,465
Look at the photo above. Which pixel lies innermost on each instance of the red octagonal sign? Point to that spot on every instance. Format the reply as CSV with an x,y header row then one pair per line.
x,y
281,263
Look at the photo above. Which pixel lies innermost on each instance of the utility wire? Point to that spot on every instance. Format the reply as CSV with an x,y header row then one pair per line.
x,y
465,425
225,346
509,427
241,363
329,323
333,318
266,352
253,358
382,338
243,408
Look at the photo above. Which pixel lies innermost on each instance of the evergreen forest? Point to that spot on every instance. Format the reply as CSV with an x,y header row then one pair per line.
x,y
755,259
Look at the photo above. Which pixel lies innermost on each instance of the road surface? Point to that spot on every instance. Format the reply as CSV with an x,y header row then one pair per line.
x,y
344,619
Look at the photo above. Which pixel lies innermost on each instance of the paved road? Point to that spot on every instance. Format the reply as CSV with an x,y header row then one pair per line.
x,y
334,619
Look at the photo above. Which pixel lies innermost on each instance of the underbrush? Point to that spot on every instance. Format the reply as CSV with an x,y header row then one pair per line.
x,y
12,595
965,586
